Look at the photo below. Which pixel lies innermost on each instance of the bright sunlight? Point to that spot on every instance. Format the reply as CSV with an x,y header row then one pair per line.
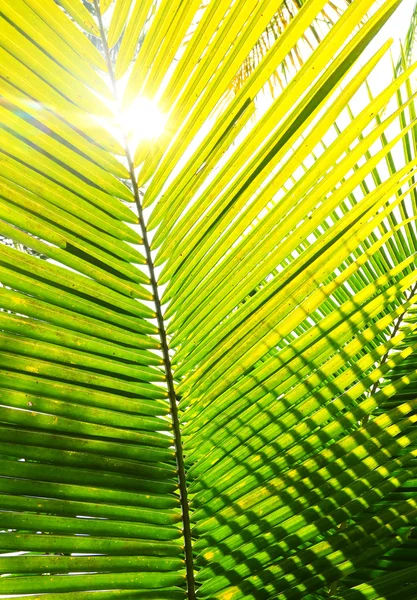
x,y
143,120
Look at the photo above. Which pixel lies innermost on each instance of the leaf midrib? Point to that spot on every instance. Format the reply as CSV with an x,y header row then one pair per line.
x,y
162,334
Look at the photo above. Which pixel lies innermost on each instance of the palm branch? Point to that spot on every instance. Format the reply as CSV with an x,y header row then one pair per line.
x,y
208,371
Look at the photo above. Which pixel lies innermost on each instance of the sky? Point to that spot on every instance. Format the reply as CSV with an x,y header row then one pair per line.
x,y
398,24
396,28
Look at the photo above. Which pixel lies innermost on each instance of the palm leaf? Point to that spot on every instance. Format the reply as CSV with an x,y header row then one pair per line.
x,y
409,43
208,340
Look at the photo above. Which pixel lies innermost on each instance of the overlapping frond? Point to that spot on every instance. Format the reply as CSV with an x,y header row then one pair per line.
x,y
285,12
272,262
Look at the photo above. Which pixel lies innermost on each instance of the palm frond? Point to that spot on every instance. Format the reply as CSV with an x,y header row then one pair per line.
x,y
207,363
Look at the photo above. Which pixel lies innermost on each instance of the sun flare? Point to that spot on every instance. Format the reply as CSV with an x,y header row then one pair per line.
x,y
143,120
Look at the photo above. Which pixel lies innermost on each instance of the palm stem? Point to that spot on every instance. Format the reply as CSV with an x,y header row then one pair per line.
x,y
385,357
163,336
